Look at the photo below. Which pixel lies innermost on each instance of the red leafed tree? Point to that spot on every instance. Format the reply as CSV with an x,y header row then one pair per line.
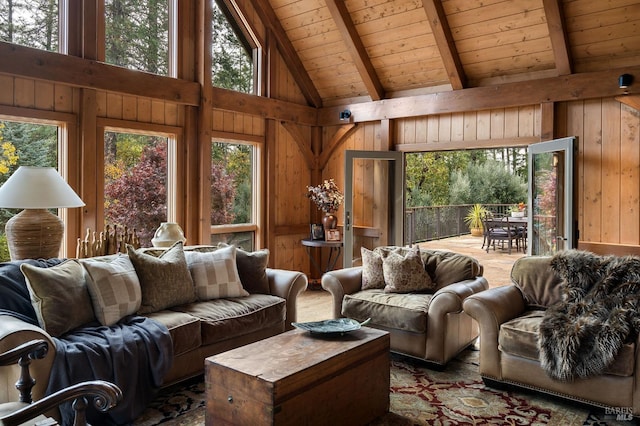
x,y
223,192
138,198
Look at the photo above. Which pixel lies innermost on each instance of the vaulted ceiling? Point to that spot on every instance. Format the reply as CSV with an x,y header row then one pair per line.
x,y
349,51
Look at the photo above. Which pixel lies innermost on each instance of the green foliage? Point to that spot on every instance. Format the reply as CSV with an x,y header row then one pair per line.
x,y
32,23
232,66
137,34
234,167
488,183
4,249
474,216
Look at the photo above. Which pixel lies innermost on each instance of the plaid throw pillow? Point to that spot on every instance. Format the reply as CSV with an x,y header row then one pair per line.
x,y
114,288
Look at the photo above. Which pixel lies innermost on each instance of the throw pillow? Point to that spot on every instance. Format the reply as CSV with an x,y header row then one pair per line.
x,y
405,273
165,280
114,288
215,274
372,275
252,268
59,296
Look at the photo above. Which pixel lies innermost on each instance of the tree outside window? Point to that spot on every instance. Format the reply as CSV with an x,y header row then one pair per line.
x,y
135,187
31,23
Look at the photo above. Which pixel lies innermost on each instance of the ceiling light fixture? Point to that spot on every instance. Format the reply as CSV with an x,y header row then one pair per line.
x,y
625,80
345,115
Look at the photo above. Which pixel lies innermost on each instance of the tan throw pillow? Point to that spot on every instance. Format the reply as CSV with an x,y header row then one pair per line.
x,y
59,296
215,274
372,275
114,288
405,274
165,280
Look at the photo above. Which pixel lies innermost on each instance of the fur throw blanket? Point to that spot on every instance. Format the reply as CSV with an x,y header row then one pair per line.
x,y
599,311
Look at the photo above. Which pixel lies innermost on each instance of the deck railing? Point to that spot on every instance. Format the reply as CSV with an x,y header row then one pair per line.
x,y
436,222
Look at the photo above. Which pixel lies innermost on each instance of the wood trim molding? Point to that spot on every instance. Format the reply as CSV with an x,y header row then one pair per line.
x,y
609,248
630,100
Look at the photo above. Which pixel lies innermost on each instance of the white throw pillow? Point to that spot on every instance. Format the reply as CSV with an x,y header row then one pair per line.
x,y
215,274
114,288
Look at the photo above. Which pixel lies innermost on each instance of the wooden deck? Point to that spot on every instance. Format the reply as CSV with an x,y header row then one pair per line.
x,y
316,305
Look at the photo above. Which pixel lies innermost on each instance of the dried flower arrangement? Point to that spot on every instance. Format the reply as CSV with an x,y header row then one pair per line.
x,y
327,196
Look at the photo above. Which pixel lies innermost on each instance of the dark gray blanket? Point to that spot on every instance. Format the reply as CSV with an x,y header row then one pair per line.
x,y
134,354
581,335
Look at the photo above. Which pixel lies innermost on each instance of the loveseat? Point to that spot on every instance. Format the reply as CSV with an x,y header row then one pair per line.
x,y
568,326
158,312
416,295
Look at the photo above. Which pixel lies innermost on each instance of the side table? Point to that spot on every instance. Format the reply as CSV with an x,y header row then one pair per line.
x,y
335,249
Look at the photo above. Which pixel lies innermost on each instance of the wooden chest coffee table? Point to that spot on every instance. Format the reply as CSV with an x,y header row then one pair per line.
x,y
296,378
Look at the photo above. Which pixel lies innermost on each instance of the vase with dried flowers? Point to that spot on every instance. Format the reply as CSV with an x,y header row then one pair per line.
x,y
328,198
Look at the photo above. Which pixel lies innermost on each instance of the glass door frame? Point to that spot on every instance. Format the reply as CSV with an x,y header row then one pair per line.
x,y
396,198
569,229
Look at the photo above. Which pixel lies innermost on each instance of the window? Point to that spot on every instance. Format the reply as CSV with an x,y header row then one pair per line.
x,y
234,201
24,144
32,23
137,35
136,181
232,53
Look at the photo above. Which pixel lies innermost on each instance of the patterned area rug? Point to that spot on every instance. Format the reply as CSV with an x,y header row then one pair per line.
x,y
419,396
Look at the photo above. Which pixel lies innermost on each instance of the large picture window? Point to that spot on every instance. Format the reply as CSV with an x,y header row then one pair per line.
x,y
24,144
136,181
32,23
233,196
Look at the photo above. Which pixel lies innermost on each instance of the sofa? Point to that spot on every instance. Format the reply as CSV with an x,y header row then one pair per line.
x,y
159,313
567,326
416,295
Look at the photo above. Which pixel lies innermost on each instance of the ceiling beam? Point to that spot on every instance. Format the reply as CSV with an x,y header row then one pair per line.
x,y
78,72
555,89
356,49
558,36
445,43
289,53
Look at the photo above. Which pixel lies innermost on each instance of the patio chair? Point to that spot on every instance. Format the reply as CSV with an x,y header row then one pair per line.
x,y
499,229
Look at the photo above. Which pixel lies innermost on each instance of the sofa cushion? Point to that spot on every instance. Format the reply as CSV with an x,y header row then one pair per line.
x,y
452,268
59,296
539,285
372,275
165,280
405,273
223,319
252,268
519,337
215,274
185,331
393,310
114,288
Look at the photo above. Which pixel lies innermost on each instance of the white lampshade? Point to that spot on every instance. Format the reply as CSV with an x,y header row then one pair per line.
x,y
37,188
35,233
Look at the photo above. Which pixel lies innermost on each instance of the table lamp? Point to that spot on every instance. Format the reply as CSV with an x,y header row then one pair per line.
x,y
36,233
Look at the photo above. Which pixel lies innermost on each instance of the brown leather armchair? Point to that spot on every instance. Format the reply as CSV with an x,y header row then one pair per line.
x,y
104,395
510,317
429,325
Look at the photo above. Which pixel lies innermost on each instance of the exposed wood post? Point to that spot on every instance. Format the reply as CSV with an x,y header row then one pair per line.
x,y
92,159
547,121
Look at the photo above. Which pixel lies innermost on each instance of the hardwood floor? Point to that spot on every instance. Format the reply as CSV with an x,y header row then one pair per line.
x,y
314,305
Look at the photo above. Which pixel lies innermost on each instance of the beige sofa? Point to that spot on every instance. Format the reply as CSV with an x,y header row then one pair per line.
x,y
427,324
198,329
511,317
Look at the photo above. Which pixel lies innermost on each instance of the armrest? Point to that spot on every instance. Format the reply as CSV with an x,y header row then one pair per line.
x,y
15,332
105,396
288,285
341,282
449,298
491,308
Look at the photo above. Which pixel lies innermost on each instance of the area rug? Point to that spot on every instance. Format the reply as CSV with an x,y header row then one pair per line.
x,y
419,396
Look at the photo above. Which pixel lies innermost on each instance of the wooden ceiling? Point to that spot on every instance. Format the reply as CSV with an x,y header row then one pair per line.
x,y
349,51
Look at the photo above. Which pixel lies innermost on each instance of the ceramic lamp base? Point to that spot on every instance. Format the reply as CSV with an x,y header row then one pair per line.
x,y
34,234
